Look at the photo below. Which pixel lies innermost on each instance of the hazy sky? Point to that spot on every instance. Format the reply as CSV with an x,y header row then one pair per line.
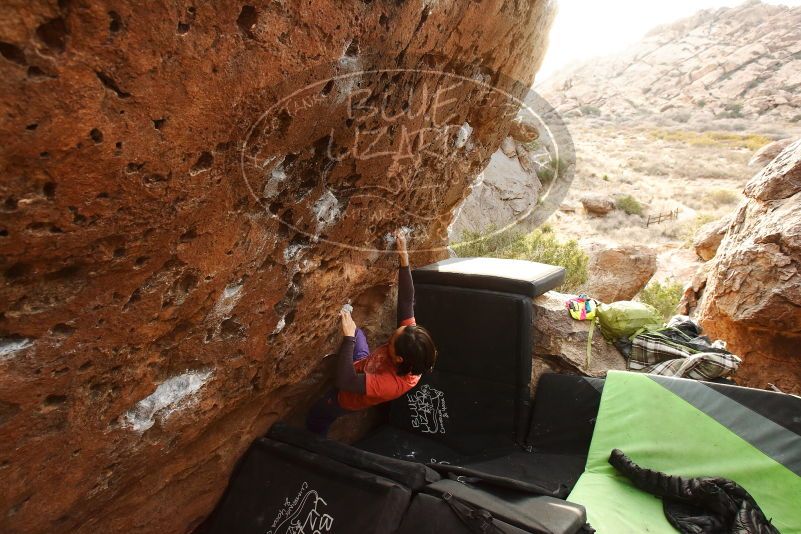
x,y
587,28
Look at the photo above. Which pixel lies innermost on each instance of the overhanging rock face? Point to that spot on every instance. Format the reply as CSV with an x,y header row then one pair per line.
x,y
176,238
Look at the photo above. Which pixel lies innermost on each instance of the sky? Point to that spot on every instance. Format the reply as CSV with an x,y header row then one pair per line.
x,y
588,28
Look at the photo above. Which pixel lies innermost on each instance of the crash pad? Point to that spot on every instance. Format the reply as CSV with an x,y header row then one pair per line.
x,y
687,428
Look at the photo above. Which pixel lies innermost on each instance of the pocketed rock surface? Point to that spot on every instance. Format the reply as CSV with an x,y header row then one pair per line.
x,y
752,297
156,314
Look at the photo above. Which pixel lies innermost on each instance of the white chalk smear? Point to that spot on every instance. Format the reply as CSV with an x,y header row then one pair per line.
x,y
326,209
465,130
280,326
8,346
291,252
228,299
232,290
172,395
389,237
277,177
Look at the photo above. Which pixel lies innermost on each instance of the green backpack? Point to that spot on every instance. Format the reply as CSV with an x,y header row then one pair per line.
x,y
626,318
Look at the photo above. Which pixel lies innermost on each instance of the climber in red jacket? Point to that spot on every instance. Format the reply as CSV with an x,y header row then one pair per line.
x,y
365,378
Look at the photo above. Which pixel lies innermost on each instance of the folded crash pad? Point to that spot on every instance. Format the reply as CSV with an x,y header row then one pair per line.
x,y
562,421
483,335
477,400
461,422
526,278
278,488
692,429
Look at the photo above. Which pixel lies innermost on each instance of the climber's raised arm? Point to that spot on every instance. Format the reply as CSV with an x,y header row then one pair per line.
x,y
405,284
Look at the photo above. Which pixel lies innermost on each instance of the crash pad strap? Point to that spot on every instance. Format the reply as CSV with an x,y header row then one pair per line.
x,y
662,430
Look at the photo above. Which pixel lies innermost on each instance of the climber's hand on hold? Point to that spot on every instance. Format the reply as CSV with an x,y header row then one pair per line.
x,y
348,326
400,244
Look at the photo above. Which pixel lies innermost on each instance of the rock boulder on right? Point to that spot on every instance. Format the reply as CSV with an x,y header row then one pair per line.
x,y
753,290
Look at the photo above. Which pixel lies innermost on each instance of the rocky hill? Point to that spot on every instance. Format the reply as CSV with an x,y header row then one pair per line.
x,y
718,65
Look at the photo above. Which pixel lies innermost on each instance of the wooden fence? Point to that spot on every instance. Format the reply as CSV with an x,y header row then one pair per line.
x,y
662,217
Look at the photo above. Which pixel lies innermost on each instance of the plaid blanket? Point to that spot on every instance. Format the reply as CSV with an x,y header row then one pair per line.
x,y
675,351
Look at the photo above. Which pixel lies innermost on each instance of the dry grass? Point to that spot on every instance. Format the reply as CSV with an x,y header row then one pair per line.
x,y
723,197
723,139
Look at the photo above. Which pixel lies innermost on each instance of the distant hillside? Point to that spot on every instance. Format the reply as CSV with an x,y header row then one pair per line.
x,y
731,65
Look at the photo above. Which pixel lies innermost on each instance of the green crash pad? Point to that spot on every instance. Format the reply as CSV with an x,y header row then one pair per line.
x,y
664,424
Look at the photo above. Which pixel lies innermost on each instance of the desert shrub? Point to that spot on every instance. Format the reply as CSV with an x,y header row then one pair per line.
x,y
732,110
533,145
797,118
681,116
664,296
486,244
700,103
590,111
547,172
629,205
689,229
753,84
723,197
541,246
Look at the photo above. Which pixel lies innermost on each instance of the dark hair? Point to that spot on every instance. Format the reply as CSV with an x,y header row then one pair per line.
x,y
417,349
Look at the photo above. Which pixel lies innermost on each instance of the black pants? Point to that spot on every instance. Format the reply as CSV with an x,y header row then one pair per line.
x,y
323,414
327,410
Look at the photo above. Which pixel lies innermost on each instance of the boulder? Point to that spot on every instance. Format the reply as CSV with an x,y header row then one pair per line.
x,y
694,290
568,207
505,193
708,238
188,199
778,180
617,272
752,297
509,147
768,153
523,130
597,205
560,342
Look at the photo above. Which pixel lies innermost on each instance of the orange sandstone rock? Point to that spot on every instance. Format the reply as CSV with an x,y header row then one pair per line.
x,y
176,240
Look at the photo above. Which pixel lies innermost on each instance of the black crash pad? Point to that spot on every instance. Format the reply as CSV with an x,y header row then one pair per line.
x,y
552,471
483,335
559,435
564,412
466,414
411,474
509,276
279,489
431,515
531,513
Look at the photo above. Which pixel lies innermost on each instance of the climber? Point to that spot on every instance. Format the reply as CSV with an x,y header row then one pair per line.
x,y
365,378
